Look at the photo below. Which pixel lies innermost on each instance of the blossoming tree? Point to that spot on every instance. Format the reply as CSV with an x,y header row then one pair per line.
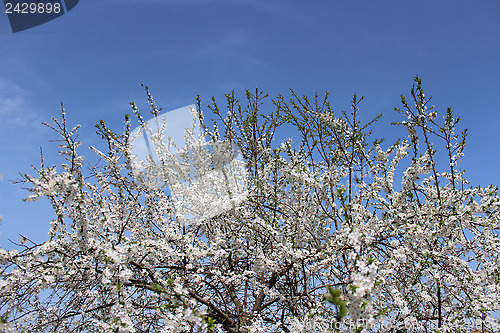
x,y
332,233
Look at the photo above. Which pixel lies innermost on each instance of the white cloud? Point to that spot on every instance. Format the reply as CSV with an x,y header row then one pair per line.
x,y
15,108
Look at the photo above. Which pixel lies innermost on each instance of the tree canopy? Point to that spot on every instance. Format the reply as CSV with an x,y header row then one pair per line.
x,y
326,231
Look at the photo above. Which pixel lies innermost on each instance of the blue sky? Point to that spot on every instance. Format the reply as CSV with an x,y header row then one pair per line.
x,y
94,58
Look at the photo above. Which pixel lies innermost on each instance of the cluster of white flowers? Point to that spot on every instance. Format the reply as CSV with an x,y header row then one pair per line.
x,y
251,243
